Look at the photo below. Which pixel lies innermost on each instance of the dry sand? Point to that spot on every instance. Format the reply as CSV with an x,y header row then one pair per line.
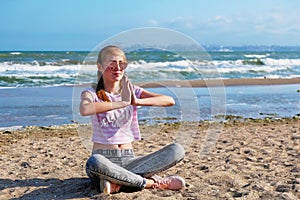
x,y
251,159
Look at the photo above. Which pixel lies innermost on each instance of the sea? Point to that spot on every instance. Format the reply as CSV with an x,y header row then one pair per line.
x,y
42,88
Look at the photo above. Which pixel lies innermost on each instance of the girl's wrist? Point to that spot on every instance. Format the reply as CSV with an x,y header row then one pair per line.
x,y
125,103
136,102
119,104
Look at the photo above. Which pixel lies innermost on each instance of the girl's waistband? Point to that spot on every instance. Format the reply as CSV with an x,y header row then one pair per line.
x,y
114,152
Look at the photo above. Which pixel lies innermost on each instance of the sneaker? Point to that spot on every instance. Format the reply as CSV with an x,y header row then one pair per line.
x,y
173,182
107,187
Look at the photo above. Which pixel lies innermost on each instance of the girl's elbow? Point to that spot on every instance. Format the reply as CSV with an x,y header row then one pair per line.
x,y
171,102
83,111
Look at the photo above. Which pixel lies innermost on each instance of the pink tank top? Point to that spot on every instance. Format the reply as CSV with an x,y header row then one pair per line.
x,y
117,126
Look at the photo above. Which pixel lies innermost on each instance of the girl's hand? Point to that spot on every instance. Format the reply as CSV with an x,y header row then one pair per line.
x,y
126,93
134,100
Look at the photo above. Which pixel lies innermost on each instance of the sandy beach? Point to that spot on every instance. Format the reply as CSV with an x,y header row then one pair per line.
x,y
249,159
231,70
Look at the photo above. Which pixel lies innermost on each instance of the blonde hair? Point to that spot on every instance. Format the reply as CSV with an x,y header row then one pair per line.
x,y
111,50
108,50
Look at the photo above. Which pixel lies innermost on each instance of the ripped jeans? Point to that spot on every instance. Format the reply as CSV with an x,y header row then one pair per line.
x,y
120,166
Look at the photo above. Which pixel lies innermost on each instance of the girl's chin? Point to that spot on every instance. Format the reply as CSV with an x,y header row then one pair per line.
x,y
117,78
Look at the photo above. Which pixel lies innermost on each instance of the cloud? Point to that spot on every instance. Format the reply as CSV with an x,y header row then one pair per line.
x,y
271,22
153,22
275,23
269,27
182,22
219,19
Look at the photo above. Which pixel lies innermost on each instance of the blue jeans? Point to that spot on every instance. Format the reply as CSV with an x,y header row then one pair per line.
x,y
120,166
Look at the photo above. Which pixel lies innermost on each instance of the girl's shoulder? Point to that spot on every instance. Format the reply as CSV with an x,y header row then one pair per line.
x,y
137,90
91,91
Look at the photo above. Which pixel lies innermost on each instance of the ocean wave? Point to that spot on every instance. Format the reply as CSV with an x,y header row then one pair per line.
x,y
168,65
247,69
35,67
282,62
30,80
62,62
257,61
256,55
15,53
67,64
26,69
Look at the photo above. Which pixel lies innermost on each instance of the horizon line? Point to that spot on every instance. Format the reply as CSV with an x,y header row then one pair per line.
x,y
204,45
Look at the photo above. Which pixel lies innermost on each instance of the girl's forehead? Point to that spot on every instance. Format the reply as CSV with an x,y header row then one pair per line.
x,y
112,57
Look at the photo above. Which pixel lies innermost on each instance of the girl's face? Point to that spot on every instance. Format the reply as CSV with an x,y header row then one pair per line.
x,y
113,67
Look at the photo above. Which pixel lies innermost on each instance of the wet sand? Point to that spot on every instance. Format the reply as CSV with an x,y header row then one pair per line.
x,y
223,82
248,159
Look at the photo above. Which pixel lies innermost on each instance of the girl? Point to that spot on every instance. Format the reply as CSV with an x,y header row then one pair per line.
x,y
113,110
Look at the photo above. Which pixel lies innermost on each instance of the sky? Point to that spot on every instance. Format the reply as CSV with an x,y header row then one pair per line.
x,y
83,24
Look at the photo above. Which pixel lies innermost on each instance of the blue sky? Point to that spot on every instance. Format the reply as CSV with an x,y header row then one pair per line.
x,y
83,24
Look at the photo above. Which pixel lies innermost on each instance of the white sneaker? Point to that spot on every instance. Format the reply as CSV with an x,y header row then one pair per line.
x,y
173,182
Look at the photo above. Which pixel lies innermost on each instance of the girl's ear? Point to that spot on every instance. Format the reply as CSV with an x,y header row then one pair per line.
x,y
100,68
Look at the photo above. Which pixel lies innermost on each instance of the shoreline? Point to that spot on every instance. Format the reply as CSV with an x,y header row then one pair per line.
x,y
249,159
194,83
56,113
221,82
227,119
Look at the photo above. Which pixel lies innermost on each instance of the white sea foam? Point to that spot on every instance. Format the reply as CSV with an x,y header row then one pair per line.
x,y
256,55
281,62
15,53
217,66
169,65
180,65
11,128
247,69
10,66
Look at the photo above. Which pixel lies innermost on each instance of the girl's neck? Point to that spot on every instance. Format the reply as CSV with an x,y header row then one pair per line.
x,y
113,88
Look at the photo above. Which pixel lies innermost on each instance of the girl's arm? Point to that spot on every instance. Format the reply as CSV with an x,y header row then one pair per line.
x,y
88,107
152,99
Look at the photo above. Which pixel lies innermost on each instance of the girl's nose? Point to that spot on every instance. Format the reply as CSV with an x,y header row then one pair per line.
x,y
118,65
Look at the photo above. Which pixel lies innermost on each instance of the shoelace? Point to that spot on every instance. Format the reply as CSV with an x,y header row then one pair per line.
x,y
159,183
